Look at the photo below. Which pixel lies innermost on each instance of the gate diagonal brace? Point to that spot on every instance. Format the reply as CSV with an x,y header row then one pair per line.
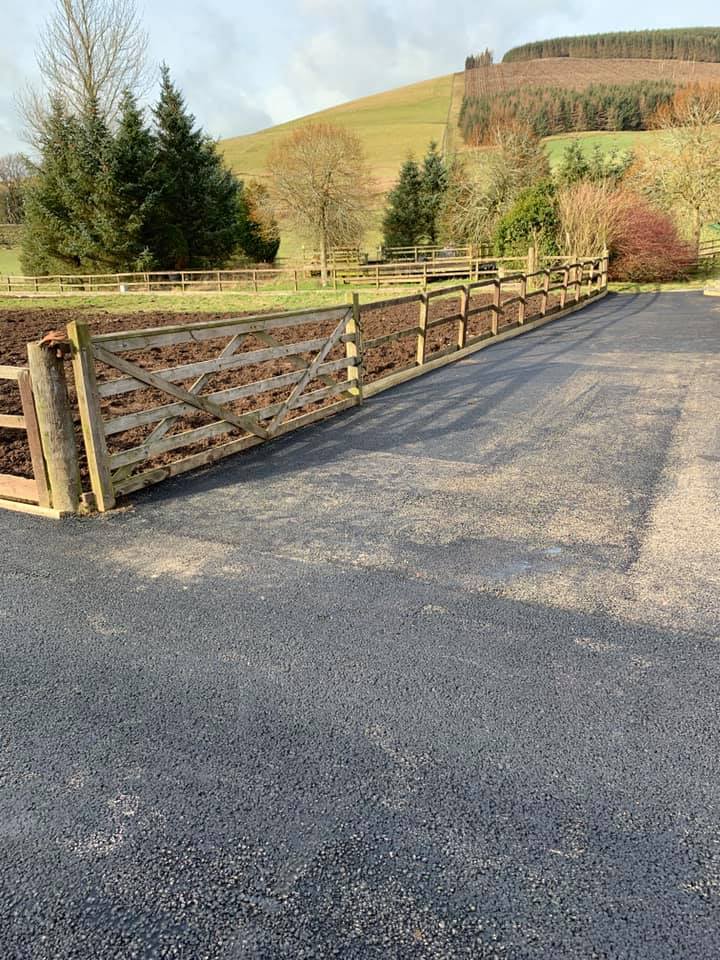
x,y
244,422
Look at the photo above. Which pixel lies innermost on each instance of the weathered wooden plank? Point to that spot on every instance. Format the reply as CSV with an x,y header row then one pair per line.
x,y
389,337
160,383
213,454
354,350
10,421
462,326
34,509
422,331
114,388
10,373
393,302
18,488
153,415
212,329
90,414
37,457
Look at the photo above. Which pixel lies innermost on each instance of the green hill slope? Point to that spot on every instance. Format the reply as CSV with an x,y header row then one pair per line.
x,y
389,124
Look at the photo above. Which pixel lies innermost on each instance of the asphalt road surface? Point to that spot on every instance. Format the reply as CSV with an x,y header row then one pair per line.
x,y
435,679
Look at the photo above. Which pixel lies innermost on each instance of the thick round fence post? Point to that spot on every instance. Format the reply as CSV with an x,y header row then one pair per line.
x,y
422,330
354,350
604,269
57,435
496,306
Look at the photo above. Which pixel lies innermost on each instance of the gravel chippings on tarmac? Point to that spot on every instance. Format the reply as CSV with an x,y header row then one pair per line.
x,y
435,679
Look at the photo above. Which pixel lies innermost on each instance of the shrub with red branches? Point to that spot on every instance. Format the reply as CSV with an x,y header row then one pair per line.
x,y
645,245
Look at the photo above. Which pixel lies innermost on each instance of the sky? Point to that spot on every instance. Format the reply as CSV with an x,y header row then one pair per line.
x,y
245,66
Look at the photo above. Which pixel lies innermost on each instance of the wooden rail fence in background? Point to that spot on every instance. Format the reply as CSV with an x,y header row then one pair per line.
x,y
279,280
319,363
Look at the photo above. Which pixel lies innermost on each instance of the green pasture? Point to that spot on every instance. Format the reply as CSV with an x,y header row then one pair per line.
x,y
10,261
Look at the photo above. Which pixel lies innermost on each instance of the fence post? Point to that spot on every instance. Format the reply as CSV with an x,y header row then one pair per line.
x,y
295,280
523,300
545,292
496,308
532,260
424,274
563,292
354,349
578,280
55,426
604,269
90,415
422,330
462,326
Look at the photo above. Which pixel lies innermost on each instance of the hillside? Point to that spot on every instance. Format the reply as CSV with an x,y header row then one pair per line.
x,y
392,123
578,73
680,43
389,124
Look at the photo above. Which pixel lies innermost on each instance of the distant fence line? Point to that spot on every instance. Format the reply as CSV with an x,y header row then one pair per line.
x,y
413,266
276,279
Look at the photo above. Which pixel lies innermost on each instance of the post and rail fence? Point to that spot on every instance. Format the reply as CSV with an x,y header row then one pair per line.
x,y
148,410
275,280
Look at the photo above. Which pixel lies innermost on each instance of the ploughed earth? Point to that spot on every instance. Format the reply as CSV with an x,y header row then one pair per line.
x,y
19,326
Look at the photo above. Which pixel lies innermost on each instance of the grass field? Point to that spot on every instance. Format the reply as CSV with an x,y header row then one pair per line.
x,y
10,261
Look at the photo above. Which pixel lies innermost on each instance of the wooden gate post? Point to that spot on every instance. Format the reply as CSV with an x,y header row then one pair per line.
x,y
563,292
55,425
462,326
545,292
422,330
90,415
354,349
604,269
496,308
522,306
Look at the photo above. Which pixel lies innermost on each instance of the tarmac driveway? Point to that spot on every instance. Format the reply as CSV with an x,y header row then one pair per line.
x,y
435,679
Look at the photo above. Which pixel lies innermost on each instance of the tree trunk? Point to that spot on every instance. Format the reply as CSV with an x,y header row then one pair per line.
x,y
323,260
697,231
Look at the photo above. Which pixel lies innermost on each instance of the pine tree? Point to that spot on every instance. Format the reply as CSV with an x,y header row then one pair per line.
x,y
573,165
403,222
62,206
195,221
434,179
127,193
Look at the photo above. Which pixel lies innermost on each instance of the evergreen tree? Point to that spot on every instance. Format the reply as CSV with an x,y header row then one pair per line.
x,y
127,193
195,221
573,165
62,206
403,222
434,183
531,221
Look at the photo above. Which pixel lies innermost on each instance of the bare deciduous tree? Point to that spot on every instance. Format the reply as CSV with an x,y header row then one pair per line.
x,y
684,174
14,172
90,52
320,182
590,214
477,198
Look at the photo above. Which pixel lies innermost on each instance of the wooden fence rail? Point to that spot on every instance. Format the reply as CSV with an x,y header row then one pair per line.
x,y
280,280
